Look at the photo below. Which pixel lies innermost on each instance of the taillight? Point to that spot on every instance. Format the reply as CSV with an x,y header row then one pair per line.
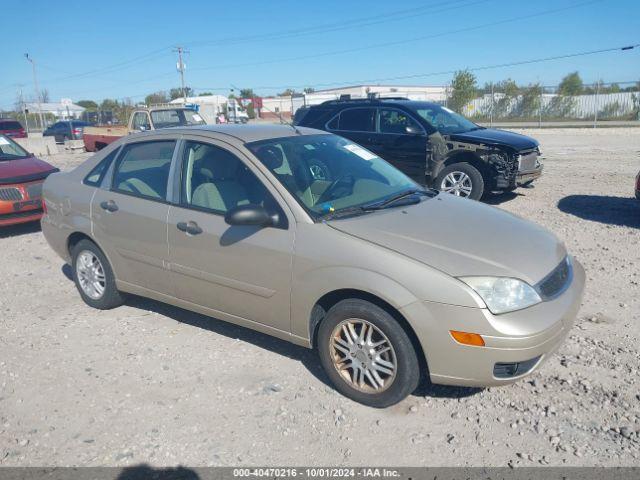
x,y
44,206
77,131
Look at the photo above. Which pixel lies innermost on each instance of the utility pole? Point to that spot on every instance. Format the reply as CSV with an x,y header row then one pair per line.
x,y
24,112
595,115
35,84
181,66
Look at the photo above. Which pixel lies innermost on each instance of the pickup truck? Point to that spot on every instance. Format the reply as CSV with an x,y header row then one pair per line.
x,y
142,119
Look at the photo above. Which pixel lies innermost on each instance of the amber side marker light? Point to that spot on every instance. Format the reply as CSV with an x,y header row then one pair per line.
x,y
467,338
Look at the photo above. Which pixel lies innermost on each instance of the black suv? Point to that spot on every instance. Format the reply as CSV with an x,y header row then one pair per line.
x,y
430,143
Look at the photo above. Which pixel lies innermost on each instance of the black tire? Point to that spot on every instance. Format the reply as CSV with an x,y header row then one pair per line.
x,y
111,297
407,373
477,181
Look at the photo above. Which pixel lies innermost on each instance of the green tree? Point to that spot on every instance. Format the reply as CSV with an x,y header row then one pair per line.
x,y
287,93
309,90
247,93
156,97
205,94
464,89
177,92
571,85
88,104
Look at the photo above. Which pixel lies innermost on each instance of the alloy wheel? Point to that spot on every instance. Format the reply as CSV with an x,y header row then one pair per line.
x,y
363,355
457,183
90,273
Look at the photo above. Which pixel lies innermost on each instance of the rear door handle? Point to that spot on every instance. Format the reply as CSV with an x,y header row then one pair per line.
x,y
190,227
109,206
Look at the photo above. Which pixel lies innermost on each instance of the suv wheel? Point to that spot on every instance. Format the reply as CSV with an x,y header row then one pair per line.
x,y
461,179
367,354
94,277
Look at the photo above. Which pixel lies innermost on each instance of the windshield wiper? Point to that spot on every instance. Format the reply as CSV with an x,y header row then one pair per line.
x,y
386,203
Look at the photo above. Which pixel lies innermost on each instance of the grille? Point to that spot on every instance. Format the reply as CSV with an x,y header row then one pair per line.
x,y
527,162
557,281
10,194
35,190
26,213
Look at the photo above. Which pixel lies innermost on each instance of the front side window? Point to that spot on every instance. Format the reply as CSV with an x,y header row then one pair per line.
x,y
327,173
356,120
215,179
175,118
396,121
143,169
446,121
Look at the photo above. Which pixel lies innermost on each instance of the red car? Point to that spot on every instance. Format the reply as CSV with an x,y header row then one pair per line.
x,y
21,178
12,128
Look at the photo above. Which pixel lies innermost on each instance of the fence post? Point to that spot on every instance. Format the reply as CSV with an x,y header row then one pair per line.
x,y
491,111
540,107
595,115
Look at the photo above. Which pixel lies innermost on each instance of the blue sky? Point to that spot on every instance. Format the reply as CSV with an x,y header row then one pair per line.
x,y
117,49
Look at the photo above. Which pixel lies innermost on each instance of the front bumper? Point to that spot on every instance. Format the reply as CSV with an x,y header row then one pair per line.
x,y
529,175
20,203
528,337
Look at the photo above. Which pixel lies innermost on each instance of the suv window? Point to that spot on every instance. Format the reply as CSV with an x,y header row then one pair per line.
x,y
141,119
215,179
395,121
143,169
356,120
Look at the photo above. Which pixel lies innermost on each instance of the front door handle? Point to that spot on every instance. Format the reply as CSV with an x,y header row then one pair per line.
x,y
109,206
190,227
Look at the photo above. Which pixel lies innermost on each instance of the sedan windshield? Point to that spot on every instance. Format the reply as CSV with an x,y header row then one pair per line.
x,y
328,174
175,118
10,150
446,121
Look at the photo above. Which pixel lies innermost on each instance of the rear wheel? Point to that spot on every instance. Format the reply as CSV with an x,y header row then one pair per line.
x,y
367,354
94,277
461,179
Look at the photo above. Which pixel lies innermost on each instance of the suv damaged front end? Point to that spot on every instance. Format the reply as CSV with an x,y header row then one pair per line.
x,y
513,169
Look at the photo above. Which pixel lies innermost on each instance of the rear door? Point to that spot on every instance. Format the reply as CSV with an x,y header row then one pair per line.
x,y
407,150
243,272
357,124
130,215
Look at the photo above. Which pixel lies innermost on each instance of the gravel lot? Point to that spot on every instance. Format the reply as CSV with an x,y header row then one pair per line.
x,y
152,383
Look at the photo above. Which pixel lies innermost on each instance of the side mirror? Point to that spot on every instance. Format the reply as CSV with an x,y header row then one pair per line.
x,y
413,130
254,215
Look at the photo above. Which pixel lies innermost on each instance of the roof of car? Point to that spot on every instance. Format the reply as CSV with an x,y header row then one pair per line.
x,y
249,133
354,102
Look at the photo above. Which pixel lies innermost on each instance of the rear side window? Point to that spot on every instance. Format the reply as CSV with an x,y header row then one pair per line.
x,y
97,174
10,125
143,169
355,120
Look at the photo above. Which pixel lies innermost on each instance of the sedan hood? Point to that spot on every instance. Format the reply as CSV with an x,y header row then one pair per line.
x,y
461,237
491,136
24,170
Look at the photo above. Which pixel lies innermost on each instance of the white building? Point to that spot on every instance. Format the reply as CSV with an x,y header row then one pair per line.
x,y
62,110
287,106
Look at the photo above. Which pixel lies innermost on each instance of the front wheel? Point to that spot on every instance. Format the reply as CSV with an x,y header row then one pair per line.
x,y
461,179
367,354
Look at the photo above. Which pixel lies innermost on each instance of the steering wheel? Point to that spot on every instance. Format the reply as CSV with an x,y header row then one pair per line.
x,y
345,181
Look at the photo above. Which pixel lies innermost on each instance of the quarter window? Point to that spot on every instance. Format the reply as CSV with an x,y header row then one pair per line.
x,y
215,179
97,174
143,170
395,121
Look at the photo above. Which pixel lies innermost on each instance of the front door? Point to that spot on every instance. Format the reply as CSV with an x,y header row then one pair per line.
x,y
130,218
406,151
240,271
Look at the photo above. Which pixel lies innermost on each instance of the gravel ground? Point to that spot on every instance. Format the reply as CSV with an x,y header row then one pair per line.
x,y
156,384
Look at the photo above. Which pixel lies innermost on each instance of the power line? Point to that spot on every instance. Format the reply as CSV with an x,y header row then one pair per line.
x,y
345,25
449,72
405,41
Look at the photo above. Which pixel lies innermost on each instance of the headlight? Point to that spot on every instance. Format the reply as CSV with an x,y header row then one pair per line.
x,y
503,294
